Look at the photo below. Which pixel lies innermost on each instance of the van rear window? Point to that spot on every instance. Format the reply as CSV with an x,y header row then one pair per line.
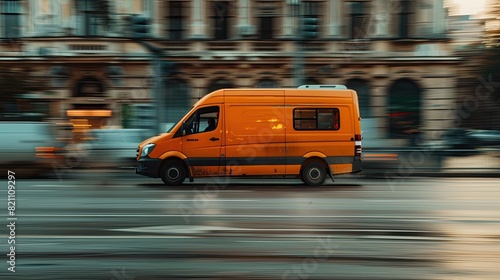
x,y
316,119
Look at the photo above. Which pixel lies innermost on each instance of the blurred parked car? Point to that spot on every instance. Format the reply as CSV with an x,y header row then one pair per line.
x,y
29,147
458,138
465,142
485,138
113,148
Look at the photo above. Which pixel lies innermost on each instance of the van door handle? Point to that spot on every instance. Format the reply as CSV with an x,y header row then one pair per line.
x,y
214,139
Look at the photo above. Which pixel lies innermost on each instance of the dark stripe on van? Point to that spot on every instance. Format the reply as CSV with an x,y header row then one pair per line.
x,y
262,161
329,160
236,161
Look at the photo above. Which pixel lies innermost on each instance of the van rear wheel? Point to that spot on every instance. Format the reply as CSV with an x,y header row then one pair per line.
x,y
173,173
313,174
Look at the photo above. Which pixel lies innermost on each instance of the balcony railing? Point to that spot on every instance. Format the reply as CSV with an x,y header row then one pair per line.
x,y
356,46
222,46
314,46
267,46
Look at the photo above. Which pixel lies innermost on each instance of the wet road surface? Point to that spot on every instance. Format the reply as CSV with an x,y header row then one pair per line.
x,y
114,226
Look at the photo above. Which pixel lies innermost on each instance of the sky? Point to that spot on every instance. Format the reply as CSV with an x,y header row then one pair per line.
x,y
468,7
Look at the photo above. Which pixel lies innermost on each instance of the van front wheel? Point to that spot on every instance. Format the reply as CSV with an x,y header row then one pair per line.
x,y
173,173
314,174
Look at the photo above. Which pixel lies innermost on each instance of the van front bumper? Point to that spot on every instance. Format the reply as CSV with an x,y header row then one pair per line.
x,y
148,167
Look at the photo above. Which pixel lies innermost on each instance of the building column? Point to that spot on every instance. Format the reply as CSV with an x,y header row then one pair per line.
x,y
243,12
291,9
198,25
438,18
335,18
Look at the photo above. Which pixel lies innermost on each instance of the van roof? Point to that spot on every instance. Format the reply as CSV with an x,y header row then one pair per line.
x,y
282,91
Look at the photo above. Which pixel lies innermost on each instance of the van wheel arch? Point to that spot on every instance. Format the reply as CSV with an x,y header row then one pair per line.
x,y
314,164
174,171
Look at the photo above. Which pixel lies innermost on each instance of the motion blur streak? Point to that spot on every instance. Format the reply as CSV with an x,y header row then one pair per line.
x,y
356,228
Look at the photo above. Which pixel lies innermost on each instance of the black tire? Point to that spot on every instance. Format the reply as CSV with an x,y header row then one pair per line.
x,y
173,173
313,173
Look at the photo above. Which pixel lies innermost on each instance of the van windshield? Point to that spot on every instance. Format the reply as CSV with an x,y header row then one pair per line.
x,y
182,116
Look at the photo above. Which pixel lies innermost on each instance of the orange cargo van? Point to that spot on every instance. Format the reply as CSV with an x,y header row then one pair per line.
x,y
309,133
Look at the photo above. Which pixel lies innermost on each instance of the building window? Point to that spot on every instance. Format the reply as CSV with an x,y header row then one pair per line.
x,y
267,19
94,15
404,108
359,20
404,16
362,88
220,19
266,27
312,9
60,75
176,20
89,87
11,18
316,119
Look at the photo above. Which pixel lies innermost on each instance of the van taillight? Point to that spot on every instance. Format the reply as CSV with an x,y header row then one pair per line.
x,y
357,145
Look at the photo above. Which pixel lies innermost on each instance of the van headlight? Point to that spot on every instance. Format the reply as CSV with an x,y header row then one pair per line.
x,y
147,150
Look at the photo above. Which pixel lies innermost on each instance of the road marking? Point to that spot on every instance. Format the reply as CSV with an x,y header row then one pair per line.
x,y
461,200
39,244
193,229
102,236
404,218
207,191
431,238
278,241
201,199
395,218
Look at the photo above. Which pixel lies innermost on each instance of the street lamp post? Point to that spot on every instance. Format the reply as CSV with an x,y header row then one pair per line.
x,y
306,29
140,28
298,67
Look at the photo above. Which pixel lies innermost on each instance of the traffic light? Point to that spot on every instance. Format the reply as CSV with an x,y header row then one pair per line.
x,y
140,27
309,27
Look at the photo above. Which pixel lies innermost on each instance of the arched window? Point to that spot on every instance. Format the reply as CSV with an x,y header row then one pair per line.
x,y
89,87
363,90
268,83
404,108
219,84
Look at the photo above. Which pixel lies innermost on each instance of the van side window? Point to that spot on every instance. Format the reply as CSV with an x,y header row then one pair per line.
x,y
316,119
203,120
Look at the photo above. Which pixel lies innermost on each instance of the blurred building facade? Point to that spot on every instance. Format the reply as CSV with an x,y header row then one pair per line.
x,y
467,32
397,54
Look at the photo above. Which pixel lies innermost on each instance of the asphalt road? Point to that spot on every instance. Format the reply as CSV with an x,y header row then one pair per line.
x,y
124,227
